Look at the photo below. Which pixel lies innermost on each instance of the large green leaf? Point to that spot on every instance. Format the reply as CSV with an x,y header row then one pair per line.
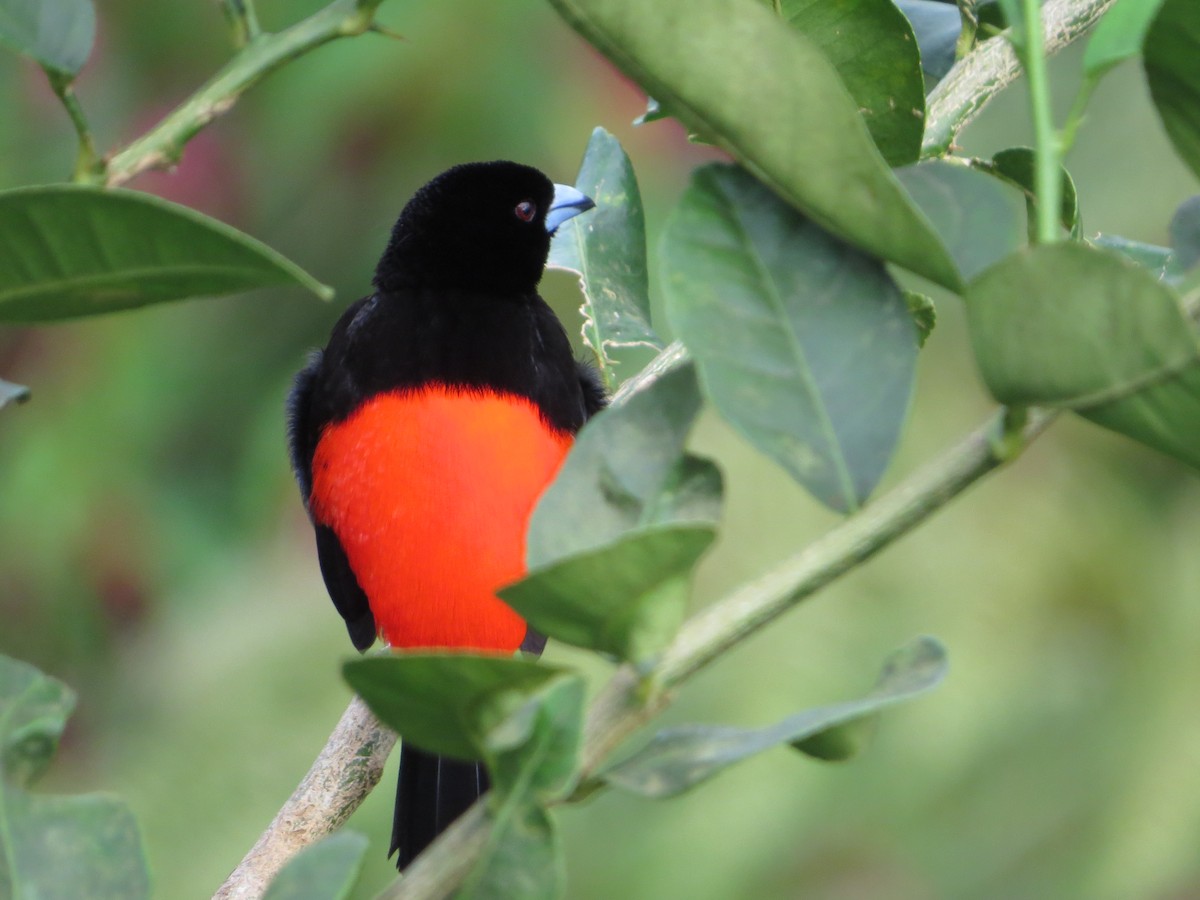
x,y
522,858
607,249
68,250
328,870
627,470
56,847
1071,325
978,217
872,46
1171,56
803,343
1118,36
445,703
12,393
732,71
677,759
58,34
626,598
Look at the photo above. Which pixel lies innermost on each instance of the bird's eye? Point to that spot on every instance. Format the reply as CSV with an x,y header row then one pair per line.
x,y
526,210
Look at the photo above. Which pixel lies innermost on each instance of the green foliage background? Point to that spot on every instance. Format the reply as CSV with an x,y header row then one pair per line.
x,y
154,553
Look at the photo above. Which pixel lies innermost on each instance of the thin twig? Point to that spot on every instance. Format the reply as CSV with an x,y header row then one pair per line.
x,y
979,76
343,774
88,166
162,146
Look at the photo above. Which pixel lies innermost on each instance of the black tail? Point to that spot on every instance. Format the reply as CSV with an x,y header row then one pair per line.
x,y
432,792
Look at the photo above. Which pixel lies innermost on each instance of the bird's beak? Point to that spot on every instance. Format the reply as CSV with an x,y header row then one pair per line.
x,y
567,202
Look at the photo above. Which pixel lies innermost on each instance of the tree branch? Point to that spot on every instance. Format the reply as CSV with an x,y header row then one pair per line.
x,y
162,146
343,774
976,78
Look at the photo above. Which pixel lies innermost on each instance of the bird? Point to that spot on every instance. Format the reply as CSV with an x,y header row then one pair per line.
x,y
424,432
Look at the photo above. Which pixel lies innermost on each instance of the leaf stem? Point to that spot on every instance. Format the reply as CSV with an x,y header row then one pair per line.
x,y
1047,182
243,21
89,168
163,145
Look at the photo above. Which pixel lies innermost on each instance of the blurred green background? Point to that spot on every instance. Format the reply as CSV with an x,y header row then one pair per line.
x,y
154,553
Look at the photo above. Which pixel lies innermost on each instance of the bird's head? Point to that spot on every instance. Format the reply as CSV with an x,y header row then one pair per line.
x,y
479,226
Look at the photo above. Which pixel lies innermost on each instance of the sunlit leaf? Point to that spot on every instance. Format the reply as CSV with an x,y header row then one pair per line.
x,y
445,703
978,217
677,759
1118,35
872,46
67,250
606,248
1171,56
626,598
726,69
803,343
627,471
327,870
54,845
58,34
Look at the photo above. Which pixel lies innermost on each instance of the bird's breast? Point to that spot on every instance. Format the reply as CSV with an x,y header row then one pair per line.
x,y
430,491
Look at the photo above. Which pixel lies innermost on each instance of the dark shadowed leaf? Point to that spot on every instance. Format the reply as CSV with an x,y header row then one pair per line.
x,y
627,470
626,598
1118,36
1016,165
803,343
1171,56
726,68
12,393
606,248
978,217
53,845
1070,325
445,703
58,34
677,759
872,46
68,250
327,870
936,27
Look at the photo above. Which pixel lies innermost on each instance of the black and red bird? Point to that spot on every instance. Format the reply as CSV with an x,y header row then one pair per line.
x,y
425,431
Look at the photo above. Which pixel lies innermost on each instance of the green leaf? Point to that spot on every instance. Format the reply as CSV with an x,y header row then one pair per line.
x,y
626,471
924,314
1165,416
58,34
606,248
12,393
678,759
1118,36
626,599
727,69
1159,261
1015,18
1070,325
533,754
1016,165
803,343
68,250
53,845
522,858
1185,234
1171,56
978,217
328,870
936,27
872,46
445,703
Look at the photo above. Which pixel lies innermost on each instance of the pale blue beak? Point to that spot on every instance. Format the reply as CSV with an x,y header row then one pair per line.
x,y
568,202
